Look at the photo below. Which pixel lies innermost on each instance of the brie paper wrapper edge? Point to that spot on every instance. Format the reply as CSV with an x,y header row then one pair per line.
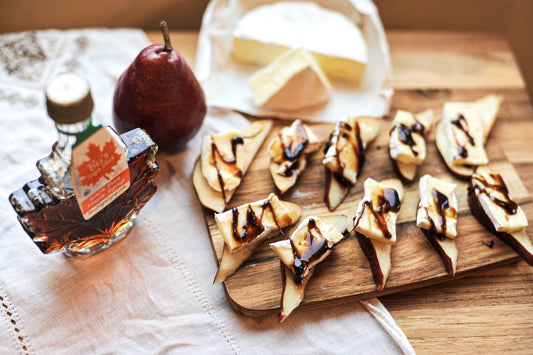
x,y
215,66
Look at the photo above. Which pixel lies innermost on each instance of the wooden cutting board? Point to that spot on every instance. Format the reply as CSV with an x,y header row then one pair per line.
x,y
345,275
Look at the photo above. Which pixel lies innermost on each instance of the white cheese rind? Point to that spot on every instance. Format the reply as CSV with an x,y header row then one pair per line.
x,y
292,81
427,209
267,31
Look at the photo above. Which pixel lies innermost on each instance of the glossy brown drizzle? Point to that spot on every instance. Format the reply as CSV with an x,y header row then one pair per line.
x,y
462,124
406,134
293,149
443,204
482,185
253,226
388,202
316,247
345,130
235,141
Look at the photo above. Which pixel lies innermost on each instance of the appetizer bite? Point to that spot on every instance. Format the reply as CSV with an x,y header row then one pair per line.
x,y
437,217
288,151
309,244
407,144
375,225
461,134
225,158
243,228
490,203
344,156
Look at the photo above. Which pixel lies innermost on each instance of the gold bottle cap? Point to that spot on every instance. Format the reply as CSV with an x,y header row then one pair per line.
x,y
68,99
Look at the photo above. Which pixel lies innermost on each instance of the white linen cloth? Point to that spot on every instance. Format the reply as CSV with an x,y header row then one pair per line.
x,y
151,293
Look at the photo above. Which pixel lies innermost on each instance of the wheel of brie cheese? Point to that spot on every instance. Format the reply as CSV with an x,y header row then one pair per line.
x,y
270,30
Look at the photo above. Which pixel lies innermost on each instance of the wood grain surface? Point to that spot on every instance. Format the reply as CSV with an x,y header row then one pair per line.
x,y
490,311
255,288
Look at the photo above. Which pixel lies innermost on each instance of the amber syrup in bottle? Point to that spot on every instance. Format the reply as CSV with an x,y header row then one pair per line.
x,y
47,208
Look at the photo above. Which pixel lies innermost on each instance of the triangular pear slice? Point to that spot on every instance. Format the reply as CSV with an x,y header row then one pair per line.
x,y
488,107
374,243
405,170
254,223
293,292
516,239
447,250
288,154
378,255
253,137
344,156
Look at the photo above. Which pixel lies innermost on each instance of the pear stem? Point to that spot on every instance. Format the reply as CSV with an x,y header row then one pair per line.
x,y
164,30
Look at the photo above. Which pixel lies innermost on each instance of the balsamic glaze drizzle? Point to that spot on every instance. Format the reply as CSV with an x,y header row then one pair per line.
x,y
388,202
442,204
481,184
462,124
316,247
293,149
232,161
253,226
406,134
344,130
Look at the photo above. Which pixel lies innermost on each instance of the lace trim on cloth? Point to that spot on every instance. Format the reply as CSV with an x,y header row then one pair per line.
x,y
19,338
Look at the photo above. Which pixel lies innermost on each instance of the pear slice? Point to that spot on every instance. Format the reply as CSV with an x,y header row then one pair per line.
x,y
256,222
378,255
288,151
329,234
447,250
514,233
487,108
217,200
344,156
407,169
293,293
375,225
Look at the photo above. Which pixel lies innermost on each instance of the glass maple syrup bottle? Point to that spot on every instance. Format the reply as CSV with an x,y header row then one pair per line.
x,y
93,183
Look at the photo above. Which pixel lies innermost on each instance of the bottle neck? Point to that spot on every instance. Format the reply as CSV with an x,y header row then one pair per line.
x,y
66,138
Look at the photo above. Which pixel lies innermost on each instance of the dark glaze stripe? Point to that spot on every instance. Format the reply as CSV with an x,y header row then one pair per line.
x,y
345,130
481,185
443,206
462,124
253,226
388,202
235,141
406,134
316,247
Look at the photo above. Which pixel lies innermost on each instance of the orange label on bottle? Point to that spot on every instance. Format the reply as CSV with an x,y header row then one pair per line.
x,y
99,171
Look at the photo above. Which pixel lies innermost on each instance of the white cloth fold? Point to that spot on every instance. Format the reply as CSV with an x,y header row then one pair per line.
x,y
151,293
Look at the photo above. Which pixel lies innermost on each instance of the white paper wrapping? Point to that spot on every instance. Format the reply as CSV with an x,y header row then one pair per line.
x,y
151,293
225,79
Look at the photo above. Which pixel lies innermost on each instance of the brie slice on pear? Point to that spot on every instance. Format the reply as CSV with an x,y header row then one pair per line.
x,y
288,153
243,228
375,225
437,217
309,244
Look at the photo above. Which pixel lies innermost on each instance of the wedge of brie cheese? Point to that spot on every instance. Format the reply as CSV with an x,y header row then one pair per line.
x,y
378,211
268,31
292,81
437,209
493,196
464,131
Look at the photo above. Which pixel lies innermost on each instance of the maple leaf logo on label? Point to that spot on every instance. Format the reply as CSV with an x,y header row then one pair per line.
x,y
101,162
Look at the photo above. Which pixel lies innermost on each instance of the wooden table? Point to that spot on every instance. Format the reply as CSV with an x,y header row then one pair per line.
x,y
492,311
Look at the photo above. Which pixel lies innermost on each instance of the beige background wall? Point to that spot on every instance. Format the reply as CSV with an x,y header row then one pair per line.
x,y
512,19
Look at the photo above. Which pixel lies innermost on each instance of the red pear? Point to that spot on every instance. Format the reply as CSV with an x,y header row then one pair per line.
x,y
159,93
